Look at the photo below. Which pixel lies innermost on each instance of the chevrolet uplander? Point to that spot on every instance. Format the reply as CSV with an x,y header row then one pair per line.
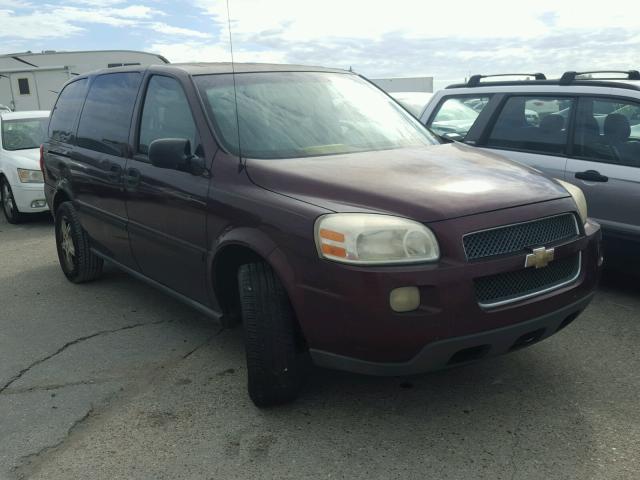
x,y
310,206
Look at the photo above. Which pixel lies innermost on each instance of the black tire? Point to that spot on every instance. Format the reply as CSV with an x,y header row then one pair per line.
x,y
80,265
9,207
276,357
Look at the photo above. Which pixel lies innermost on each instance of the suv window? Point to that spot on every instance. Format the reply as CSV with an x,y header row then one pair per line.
x,y
106,117
66,110
536,124
457,114
166,114
608,131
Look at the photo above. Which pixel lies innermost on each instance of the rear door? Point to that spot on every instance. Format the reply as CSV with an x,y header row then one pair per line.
x,y
606,162
99,160
167,208
533,130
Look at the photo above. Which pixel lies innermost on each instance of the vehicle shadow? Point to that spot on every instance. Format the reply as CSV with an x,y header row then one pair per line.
x,y
620,281
30,221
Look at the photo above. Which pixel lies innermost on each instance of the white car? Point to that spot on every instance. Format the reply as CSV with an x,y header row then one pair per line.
x,y
21,182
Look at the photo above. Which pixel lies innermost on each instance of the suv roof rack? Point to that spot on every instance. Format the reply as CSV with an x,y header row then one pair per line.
x,y
570,77
474,80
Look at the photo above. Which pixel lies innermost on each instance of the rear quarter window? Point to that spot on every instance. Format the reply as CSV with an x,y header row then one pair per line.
x,y
64,114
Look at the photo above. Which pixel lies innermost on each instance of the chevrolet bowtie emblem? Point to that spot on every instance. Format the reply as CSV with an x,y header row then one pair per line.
x,y
539,257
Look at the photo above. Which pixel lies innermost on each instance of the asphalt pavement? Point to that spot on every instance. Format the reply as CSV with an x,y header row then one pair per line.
x,y
114,380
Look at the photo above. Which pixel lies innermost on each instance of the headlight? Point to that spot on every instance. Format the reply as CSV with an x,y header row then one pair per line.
x,y
371,239
30,176
578,197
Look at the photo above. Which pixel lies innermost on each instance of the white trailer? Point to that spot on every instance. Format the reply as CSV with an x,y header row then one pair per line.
x,y
31,81
405,84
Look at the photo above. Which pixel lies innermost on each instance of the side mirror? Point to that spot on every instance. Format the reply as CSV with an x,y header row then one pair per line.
x,y
171,153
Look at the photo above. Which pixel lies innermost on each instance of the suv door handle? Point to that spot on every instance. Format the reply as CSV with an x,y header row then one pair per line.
x,y
132,177
115,172
591,176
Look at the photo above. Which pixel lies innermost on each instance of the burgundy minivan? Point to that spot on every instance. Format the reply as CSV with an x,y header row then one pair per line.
x,y
309,205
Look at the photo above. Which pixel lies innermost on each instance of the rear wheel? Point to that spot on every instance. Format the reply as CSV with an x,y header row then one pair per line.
x,y
276,357
9,207
78,262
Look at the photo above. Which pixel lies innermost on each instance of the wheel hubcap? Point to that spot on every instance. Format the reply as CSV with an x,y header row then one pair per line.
x,y
66,243
7,200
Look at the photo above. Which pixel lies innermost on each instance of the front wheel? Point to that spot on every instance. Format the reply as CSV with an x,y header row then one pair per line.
x,y
276,356
9,206
78,262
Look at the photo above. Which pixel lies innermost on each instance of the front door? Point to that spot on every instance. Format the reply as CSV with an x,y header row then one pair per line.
x,y
533,130
167,208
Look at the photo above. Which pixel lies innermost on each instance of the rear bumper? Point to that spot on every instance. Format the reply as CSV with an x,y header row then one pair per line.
x,y
26,194
464,349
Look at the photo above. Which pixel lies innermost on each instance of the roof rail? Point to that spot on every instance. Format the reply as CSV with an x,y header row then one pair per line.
x,y
474,80
570,77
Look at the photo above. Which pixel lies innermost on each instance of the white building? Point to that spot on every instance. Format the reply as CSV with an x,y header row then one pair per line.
x,y
31,81
405,84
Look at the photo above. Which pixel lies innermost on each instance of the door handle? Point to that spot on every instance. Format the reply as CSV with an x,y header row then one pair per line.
x,y
591,176
115,172
132,177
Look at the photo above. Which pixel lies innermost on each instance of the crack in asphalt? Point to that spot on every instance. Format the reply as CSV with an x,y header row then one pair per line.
x,y
516,441
188,354
27,460
55,386
21,373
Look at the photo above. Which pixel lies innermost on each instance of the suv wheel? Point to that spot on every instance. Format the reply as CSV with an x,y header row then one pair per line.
x,y
8,203
276,362
78,262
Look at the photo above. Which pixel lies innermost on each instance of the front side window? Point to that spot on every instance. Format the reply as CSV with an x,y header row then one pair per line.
x,y
106,116
304,114
64,114
166,114
24,133
535,124
608,131
456,115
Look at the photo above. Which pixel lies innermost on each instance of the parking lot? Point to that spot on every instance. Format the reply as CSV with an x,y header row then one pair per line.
x,y
114,380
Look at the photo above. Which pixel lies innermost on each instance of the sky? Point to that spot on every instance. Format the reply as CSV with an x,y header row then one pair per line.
x,y
377,38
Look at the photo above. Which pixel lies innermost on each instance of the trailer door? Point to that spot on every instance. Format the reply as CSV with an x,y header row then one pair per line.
x,y
25,92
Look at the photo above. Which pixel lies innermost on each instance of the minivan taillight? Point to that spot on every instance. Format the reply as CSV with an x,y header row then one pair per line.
x,y
42,159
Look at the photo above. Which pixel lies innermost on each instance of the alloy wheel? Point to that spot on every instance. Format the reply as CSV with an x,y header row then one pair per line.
x,y
66,243
7,200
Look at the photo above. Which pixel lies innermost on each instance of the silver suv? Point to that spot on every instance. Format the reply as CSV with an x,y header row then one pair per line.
x,y
583,128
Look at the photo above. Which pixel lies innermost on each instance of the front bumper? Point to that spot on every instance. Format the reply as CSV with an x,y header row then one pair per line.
x,y
344,310
460,350
25,195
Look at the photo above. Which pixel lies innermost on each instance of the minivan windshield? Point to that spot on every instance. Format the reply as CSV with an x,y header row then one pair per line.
x,y
303,114
24,133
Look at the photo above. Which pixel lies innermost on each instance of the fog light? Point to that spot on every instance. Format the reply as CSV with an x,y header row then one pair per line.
x,y
404,299
38,203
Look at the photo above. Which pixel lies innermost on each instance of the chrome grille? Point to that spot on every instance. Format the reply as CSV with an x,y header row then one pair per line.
x,y
508,287
518,237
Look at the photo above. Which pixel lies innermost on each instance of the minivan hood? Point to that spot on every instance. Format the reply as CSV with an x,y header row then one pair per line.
x,y
28,158
426,184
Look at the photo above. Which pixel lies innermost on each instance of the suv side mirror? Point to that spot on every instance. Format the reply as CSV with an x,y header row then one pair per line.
x,y
171,153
